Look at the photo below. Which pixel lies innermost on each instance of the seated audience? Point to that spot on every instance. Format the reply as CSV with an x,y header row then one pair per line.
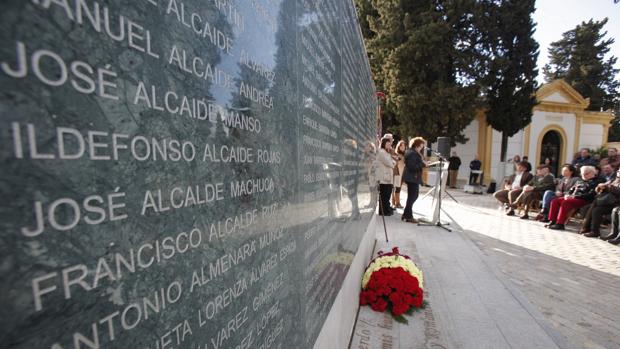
x,y
515,161
513,187
584,159
612,158
528,166
474,165
605,201
568,180
615,225
581,194
534,189
608,174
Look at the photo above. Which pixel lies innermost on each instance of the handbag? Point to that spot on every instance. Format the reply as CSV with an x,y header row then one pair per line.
x,y
395,171
606,199
397,180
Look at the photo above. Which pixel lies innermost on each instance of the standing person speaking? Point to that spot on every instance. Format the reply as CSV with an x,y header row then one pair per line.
x,y
412,175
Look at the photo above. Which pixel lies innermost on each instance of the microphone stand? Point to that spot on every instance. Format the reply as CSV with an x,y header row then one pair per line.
x,y
438,193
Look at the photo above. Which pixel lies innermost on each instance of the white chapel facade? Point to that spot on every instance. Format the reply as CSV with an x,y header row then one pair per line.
x,y
560,127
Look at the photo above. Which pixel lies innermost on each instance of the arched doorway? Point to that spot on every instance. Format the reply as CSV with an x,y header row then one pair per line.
x,y
551,147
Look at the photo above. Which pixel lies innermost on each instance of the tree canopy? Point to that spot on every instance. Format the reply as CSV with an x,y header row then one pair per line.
x,y
511,79
582,58
419,53
440,61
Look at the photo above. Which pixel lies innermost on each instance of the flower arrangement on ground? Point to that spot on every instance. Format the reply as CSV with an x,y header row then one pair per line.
x,y
393,282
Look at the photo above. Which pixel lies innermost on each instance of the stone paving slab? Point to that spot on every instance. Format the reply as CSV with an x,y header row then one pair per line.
x,y
471,306
481,214
379,330
572,280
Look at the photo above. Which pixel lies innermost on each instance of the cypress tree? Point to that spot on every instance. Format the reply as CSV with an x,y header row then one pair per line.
x,y
511,79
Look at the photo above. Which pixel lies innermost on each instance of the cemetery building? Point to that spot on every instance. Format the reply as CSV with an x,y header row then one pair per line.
x,y
560,127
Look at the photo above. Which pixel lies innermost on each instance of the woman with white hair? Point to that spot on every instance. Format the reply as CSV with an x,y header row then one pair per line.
x,y
581,194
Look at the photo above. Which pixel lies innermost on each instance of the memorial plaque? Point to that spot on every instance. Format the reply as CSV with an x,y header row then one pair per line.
x,y
180,174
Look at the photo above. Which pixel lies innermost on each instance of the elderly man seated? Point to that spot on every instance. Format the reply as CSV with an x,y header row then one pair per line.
x,y
534,189
513,187
608,174
612,158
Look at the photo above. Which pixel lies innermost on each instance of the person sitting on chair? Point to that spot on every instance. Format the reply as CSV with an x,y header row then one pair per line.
x,y
603,204
578,196
534,189
612,158
568,180
584,159
513,187
608,174
474,165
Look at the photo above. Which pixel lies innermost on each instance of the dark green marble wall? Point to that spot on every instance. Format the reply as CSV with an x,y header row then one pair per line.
x,y
179,174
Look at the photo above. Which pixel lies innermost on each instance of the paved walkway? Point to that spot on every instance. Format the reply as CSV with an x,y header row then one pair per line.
x,y
501,282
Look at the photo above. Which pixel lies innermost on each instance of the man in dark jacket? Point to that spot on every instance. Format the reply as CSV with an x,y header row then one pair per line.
x,y
534,189
453,169
474,165
513,187
608,174
612,158
584,159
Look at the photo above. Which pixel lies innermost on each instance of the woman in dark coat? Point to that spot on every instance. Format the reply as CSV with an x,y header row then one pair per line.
x,y
412,175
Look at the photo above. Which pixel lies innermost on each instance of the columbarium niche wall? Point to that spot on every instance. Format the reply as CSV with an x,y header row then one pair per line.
x,y
180,174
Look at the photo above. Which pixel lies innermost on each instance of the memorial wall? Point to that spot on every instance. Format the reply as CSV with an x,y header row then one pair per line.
x,y
180,173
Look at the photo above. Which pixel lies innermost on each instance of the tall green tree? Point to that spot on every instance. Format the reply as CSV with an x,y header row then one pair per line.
x,y
421,56
581,58
511,79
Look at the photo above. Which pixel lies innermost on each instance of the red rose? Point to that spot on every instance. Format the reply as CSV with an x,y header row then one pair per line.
x,y
398,284
384,290
410,284
396,297
400,309
367,297
363,300
380,305
418,300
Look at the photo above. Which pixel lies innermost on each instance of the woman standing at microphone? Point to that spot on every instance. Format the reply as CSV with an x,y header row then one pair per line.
x,y
412,175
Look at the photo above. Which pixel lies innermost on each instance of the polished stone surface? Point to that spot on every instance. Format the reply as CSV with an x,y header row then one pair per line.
x,y
179,174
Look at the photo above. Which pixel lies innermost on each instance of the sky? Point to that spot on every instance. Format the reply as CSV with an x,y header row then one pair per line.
x,y
554,17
